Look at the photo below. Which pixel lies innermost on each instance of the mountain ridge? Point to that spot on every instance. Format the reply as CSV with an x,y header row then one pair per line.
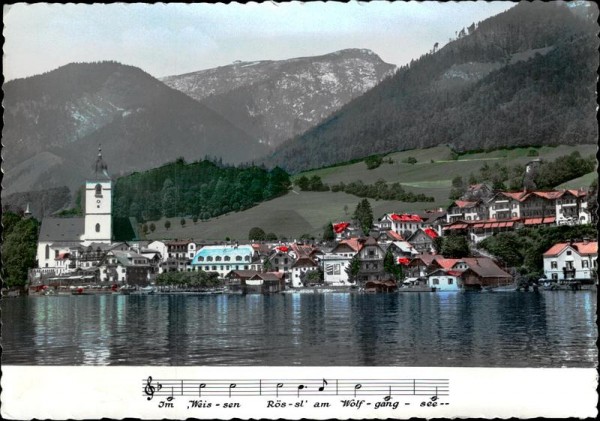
x,y
537,65
276,99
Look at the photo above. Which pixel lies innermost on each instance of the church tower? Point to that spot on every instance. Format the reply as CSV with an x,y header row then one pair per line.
x,y
98,205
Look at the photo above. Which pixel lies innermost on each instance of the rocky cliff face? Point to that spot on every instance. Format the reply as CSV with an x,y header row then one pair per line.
x,y
276,100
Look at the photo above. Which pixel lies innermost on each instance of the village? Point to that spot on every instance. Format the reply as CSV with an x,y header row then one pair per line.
x,y
400,252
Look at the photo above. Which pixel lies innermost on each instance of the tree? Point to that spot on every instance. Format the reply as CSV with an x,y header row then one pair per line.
x,y
256,234
169,199
353,269
182,222
145,229
18,248
195,219
410,160
312,277
458,188
346,209
271,236
267,265
152,227
167,224
373,161
364,215
302,182
391,267
455,247
328,234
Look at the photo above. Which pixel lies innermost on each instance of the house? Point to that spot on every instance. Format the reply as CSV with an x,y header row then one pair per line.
x,y
335,267
418,266
371,257
301,267
281,260
505,205
223,258
572,261
404,224
347,248
445,280
482,272
236,279
463,210
344,229
402,249
422,240
125,267
161,247
265,283
387,236
572,208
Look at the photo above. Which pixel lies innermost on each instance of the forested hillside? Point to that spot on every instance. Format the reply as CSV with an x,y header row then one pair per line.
x,y
524,77
202,190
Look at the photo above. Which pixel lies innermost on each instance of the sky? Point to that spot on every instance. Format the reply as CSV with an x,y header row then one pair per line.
x,y
169,39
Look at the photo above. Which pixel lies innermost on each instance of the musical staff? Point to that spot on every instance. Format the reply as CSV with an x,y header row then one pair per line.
x,y
295,387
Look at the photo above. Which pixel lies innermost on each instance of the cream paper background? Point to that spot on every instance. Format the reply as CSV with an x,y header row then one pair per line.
x,y
58,392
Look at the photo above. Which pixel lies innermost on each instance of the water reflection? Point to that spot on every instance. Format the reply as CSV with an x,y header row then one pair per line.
x,y
418,329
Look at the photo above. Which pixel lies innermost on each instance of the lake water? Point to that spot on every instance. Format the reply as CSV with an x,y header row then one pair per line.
x,y
549,329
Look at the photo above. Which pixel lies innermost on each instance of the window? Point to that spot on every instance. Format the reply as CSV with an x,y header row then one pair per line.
x,y
97,227
47,251
218,258
585,264
238,258
98,190
227,258
247,258
555,276
435,281
214,268
450,281
569,265
553,264
200,259
209,259
569,252
285,261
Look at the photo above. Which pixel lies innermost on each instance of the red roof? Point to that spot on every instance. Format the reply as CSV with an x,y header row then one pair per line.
x,y
430,232
403,260
394,235
590,247
406,218
283,248
340,227
464,203
446,263
353,243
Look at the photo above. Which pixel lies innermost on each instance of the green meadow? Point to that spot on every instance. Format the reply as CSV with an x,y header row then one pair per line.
x,y
299,213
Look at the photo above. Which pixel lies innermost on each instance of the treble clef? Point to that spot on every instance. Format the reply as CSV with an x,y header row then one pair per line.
x,y
149,389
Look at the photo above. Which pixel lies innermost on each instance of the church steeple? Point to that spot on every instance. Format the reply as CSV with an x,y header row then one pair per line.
x,y
101,168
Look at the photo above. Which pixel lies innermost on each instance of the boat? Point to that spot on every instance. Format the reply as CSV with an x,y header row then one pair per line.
x,y
501,288
126,289
147,290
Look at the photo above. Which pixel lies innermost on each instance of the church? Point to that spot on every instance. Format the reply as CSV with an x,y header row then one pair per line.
x,y
62,240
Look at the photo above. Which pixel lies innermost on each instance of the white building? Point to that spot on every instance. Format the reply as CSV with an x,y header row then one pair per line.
x,y
334,269
572,261
301,266
223,259
61,235
444,280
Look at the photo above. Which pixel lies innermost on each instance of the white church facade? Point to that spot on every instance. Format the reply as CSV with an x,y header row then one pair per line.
x,y
64,240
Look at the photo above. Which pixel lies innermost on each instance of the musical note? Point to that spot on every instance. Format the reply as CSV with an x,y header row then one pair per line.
x,y
170,398
356,387
149,389
279,385
323,387
232,386
389,396
300,387
200,387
